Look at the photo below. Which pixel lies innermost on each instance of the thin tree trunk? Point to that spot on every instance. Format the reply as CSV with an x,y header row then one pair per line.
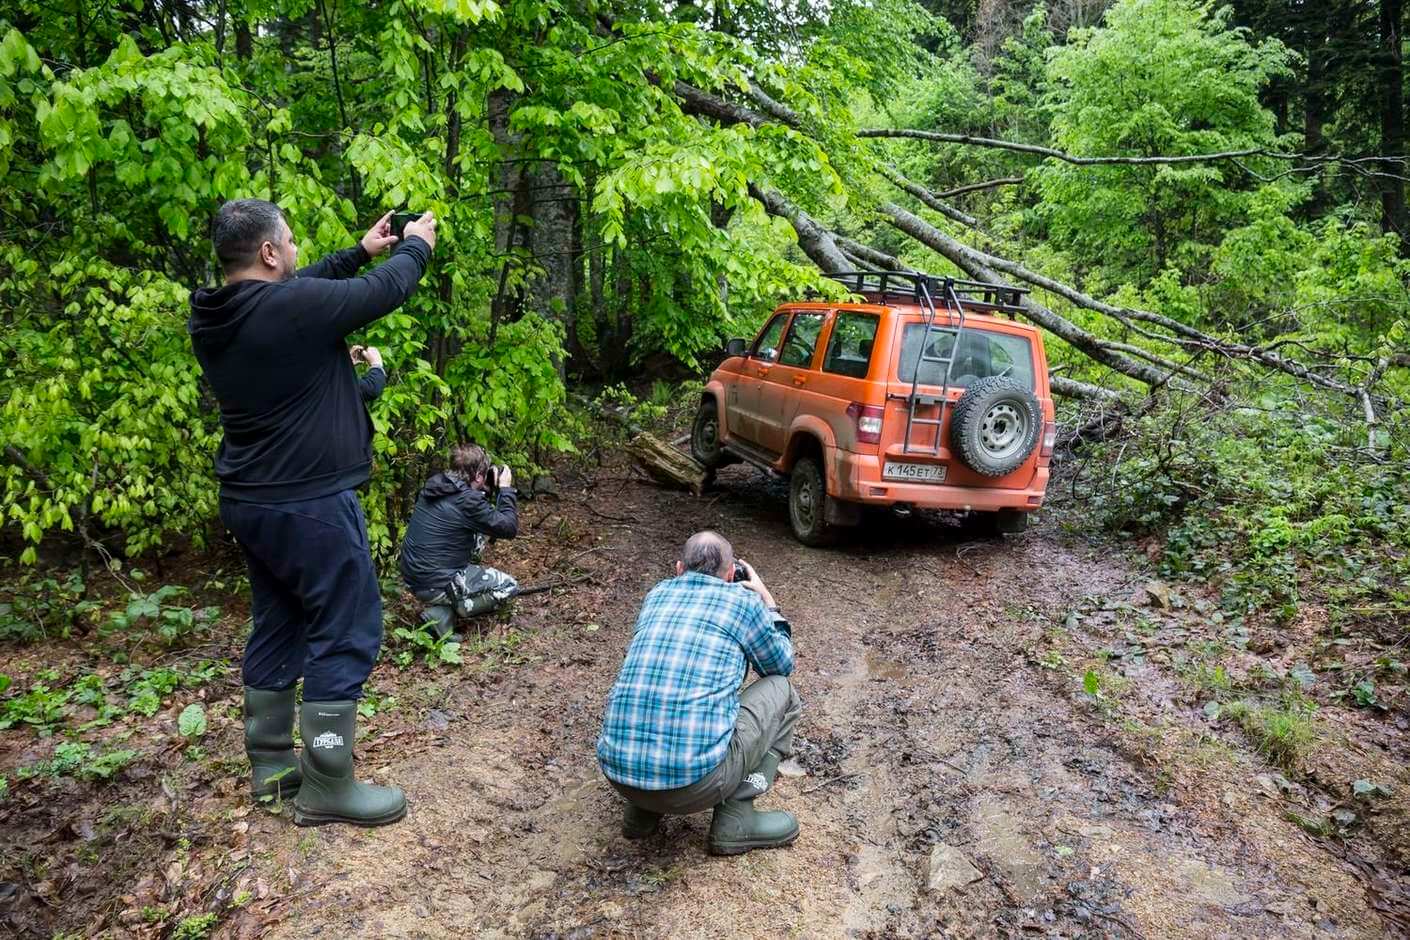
x,y
338,91
1393,210
554,208
244,41
220,34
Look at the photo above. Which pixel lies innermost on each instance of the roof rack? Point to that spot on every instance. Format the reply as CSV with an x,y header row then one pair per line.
x,y
915,287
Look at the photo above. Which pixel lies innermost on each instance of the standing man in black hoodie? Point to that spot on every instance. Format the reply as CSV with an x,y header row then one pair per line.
x,y
298,440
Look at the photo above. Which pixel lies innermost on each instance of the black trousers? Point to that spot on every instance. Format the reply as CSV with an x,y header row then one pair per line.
x,y
315,602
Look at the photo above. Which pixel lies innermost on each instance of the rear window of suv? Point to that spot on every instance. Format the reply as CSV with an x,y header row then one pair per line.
x,y
982,354
849,349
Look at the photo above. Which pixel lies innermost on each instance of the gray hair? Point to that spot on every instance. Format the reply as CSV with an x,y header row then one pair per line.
x,y
707,553
240,227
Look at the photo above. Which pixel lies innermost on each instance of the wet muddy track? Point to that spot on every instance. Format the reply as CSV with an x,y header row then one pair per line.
x,y
929,732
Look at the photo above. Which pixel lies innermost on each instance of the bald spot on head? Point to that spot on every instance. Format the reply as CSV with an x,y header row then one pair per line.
x,y
707,553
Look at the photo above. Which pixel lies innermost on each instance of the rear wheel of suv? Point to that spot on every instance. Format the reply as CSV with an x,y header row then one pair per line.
x,y
705,437
995,426
807,504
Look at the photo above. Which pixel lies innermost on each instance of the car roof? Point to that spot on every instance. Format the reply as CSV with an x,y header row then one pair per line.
x,y
943,312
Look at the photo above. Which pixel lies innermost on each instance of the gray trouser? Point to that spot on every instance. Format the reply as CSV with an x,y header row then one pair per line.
x,y
768,709
472,591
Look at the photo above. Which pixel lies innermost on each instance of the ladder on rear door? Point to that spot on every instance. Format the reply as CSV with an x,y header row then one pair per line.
x,y
947,363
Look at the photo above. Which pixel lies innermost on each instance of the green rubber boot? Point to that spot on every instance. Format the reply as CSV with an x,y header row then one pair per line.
x,y
738,828
439,620
638,823
269,744
329,793
760,779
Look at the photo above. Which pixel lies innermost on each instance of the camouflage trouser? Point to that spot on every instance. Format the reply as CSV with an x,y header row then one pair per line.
x,y
473,591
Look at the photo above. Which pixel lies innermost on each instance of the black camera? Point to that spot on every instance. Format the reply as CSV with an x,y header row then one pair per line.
x,y
492,481
399,220
741,573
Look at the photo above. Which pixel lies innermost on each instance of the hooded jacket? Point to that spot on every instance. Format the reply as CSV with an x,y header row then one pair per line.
x,y
448,530
274,354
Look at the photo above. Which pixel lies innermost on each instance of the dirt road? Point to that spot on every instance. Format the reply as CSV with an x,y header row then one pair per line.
x,y
938,739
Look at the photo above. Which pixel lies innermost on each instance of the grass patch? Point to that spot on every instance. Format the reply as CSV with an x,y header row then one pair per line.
x,y
1283,733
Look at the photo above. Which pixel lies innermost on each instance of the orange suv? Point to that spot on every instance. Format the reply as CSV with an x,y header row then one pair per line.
x,y
916,395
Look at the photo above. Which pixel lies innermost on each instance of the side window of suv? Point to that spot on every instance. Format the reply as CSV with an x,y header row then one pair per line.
x,y
849,349
802,339
766,346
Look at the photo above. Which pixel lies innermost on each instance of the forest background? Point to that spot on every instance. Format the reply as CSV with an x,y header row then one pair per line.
x,y
1208,202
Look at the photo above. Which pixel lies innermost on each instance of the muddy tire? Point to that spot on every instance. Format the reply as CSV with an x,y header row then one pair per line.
x,y
807,504
995,426
705,438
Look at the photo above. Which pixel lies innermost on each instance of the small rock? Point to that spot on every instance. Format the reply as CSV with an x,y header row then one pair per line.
x,y
1158,594
949,869
544,485
791,768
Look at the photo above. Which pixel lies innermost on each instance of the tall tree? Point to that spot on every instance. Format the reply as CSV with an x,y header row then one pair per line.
x,y
1391,79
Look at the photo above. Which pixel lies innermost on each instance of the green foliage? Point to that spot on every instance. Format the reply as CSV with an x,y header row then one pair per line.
x,y
191,723
435,651
149,688
116,144
78,759
38,607
41,707
1283,732
1160,77
1270,502
172,622
199,926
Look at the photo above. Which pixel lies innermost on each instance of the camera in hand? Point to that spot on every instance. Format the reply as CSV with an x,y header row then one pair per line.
x,y
741,573
399,220
493,476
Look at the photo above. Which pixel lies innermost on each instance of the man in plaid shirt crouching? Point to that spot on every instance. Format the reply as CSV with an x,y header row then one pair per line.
x,y
680,735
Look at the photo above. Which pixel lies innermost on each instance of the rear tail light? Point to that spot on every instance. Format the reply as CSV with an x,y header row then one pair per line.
x,y
1049,439
868,418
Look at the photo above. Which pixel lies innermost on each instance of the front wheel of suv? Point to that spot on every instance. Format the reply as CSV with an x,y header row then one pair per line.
x,y
807,504
705,437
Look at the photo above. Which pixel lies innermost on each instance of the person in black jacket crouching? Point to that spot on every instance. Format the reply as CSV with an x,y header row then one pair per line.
x,y
272,343
452,523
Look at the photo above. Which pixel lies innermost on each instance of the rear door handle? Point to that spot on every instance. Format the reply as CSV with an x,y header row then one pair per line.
x,y
800,380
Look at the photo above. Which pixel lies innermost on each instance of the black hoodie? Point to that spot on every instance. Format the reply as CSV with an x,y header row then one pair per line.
x,y
274,353
449,528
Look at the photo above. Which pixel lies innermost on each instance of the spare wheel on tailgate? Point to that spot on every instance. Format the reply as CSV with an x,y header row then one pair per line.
x,y
995,425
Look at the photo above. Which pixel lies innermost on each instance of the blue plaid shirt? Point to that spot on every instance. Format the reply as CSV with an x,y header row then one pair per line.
x,y
671,714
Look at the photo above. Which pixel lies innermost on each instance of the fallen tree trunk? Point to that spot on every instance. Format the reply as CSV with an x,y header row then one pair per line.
x,y
1147,367
665,464
661,461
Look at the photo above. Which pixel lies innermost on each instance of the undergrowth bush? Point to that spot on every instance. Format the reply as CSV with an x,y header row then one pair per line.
x,y
1270,500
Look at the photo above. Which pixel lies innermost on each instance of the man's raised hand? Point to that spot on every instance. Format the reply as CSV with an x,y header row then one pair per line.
x,y
423,228
379,237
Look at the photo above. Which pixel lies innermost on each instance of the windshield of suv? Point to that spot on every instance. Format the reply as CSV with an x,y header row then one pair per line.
x,y
983,353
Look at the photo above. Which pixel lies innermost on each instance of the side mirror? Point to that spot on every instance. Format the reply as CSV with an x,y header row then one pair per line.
x,y
736,347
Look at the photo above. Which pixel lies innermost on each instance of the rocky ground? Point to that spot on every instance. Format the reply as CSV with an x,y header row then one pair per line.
x,y
981,753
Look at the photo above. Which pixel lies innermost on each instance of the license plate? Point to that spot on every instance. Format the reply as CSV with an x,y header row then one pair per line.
x,y
914,472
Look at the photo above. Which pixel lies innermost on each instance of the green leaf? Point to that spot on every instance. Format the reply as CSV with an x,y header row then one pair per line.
x,y
192,722
1091,683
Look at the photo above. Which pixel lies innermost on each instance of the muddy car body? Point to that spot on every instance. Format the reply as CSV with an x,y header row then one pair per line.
x,y
918,394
